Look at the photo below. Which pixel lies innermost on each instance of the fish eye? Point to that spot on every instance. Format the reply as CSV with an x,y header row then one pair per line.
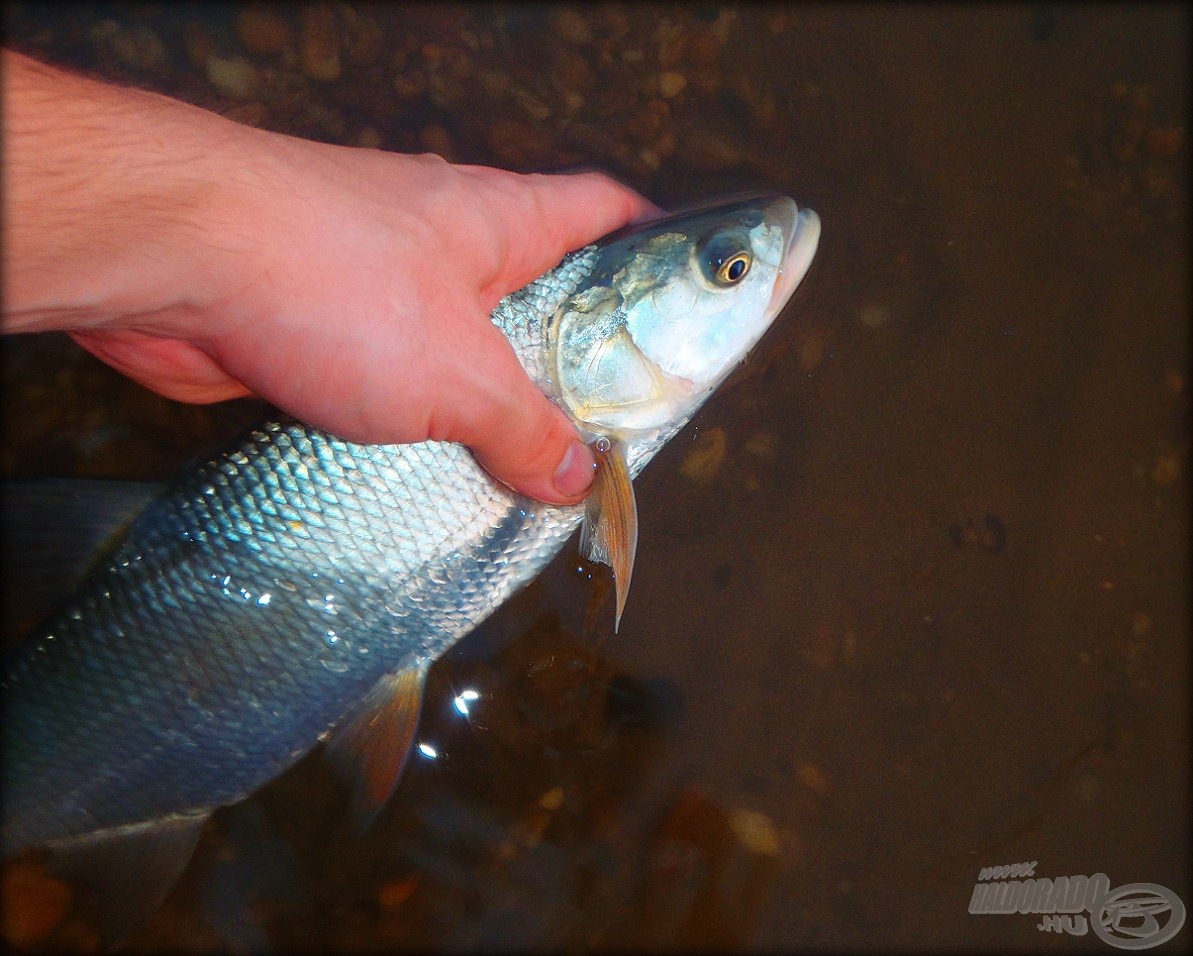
x,y
725,259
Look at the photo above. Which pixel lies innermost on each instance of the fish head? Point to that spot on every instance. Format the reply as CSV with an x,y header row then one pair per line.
x,y
671,307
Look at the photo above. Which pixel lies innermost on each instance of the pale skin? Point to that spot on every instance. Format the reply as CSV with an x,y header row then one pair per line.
x,y
351,288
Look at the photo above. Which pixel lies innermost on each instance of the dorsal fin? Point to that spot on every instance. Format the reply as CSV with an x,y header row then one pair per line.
x,y
131,868
371,747
56,528
610,530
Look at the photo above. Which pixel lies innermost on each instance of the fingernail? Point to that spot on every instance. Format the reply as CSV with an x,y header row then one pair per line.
x,y
575,472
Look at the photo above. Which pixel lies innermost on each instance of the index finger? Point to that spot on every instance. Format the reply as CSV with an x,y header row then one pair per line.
x,y
545,216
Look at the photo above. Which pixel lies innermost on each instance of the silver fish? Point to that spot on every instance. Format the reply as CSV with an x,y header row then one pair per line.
x,y
297,587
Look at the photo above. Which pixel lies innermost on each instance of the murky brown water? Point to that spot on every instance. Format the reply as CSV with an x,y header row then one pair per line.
x,y
911,596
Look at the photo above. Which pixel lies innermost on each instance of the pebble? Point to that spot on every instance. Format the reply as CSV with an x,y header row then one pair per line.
x,y
363,40
813,778
649,122
234,76
759,100
762,444
552,799
671,84
570,70
594,139
1166,469
139,48
705,457
723,25
34,904
810,351
199,46
405,87
704,150
319,53
262,30
533,106
1088,788
436,139
704,49
249,114
460,64
445,92
519,143
707,81
1164,142
617,24
873,316
571,27
493,82
672,42
104,32
396,892
368,138
754,831
990,535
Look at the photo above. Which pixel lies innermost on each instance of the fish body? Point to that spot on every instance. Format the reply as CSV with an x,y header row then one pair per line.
x,y
271,593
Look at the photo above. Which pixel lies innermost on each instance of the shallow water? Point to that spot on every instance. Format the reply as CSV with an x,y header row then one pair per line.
x,y
911,596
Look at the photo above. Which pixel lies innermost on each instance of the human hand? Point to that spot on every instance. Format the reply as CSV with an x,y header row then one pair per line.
x,y
352,288
364,285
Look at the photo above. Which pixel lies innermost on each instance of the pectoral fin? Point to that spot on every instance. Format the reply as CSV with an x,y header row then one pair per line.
x,y
132,867
610,530
371,748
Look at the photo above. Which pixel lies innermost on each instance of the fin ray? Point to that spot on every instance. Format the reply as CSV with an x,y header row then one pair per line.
x,y
132,867
371,748
610,530
58,527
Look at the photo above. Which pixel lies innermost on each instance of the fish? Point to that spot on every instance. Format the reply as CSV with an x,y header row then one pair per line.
x,y
293,590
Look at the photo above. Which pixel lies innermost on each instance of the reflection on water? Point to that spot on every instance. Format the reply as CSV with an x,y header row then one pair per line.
x,y
911,593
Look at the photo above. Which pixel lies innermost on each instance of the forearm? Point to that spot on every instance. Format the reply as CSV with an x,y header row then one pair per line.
x,y
110,198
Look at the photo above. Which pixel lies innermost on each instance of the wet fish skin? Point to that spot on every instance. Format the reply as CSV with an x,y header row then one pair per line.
x,y
266,593
244,615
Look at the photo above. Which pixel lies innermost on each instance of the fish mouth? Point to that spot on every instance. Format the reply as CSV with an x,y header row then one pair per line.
x,y
801,227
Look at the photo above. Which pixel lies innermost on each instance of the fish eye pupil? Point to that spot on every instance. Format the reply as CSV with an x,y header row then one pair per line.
x,y
733,268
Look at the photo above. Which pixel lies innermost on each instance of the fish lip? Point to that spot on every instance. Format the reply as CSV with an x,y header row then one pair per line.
x,y
801,227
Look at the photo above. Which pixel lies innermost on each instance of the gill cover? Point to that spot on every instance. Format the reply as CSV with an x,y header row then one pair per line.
x,y
668,310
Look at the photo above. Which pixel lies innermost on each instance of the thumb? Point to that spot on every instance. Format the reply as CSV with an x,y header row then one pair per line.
x,y
517,433
552,464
